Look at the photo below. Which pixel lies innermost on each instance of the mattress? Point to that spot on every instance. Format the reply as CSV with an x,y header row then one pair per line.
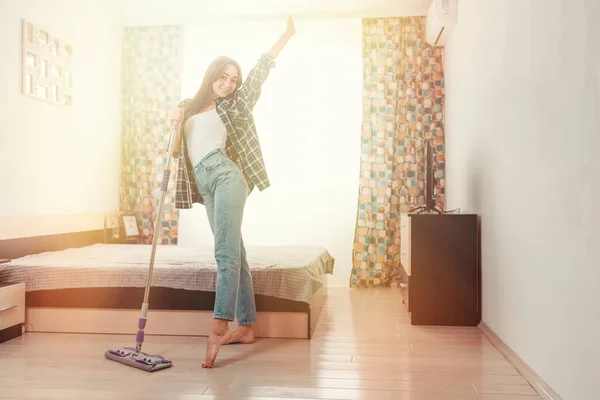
x,y
285,272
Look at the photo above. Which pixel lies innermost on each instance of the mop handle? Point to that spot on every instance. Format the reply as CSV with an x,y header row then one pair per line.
x,y
159,214
157,226
167,171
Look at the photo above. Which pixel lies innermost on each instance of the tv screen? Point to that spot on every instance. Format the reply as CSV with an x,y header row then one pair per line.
x,y
426,201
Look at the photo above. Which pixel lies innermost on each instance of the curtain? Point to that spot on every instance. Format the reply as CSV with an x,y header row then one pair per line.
x,y
151,80
403,101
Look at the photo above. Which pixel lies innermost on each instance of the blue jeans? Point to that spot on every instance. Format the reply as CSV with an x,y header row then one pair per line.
x,y
224,190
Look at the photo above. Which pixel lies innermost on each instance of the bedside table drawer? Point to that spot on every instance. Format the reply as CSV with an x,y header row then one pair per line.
x,y
12,305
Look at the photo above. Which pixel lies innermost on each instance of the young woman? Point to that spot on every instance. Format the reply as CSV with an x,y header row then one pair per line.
x,y
220,163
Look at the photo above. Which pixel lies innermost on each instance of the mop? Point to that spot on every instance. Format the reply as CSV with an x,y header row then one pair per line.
x,y
134,357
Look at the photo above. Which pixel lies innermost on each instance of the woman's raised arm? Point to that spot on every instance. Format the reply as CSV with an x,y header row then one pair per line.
x,y
283,39
250,90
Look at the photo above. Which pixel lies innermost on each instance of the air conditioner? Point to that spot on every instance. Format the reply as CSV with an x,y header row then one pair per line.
x,y
440,21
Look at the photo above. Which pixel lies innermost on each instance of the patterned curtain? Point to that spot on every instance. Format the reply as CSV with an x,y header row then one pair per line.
x,y
403,101
152,63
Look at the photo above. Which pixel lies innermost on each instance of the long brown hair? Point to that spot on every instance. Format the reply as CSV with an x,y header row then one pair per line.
x,y
204,95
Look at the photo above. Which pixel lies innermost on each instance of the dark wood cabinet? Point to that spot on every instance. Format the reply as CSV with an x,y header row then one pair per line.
x,y
440,257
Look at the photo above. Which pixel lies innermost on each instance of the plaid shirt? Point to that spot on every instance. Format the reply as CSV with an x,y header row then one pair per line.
x,y
242,145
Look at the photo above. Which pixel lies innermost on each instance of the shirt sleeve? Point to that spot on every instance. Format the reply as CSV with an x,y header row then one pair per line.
x,y
183,105
249,92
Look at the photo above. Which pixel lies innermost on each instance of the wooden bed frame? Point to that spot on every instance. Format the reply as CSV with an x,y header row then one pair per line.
x,y
172,312
291,320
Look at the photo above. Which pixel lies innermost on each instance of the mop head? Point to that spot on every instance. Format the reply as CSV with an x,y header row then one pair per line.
x,y
141,360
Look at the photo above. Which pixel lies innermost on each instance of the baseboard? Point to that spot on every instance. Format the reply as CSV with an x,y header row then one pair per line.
x,y
543,389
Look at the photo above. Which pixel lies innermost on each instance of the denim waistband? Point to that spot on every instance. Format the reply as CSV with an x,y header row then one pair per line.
x,y
213,153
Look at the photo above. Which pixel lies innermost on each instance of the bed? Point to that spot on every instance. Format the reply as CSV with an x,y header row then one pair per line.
x,y
100,288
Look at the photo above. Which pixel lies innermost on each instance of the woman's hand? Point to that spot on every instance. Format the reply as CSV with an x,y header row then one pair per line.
x,y
175,114
291,28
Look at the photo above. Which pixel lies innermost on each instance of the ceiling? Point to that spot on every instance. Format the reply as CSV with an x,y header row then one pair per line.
x,y
139,12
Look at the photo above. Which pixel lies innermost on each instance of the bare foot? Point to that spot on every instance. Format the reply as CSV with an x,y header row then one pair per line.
x,y
243,334
219,334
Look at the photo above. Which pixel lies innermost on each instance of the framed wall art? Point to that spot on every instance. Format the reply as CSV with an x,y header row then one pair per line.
x,y
47,66
130,226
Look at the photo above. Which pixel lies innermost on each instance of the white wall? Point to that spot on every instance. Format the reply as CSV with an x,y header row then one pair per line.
x,y
522,137
60,165
308,121
194,12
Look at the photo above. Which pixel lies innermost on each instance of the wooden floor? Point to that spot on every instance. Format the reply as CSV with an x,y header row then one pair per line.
x,y
364,349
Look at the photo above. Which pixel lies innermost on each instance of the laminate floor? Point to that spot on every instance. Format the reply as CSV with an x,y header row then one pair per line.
x,y
364,349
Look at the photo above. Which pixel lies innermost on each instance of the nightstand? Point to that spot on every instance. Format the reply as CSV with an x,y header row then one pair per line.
x,y
440,261
12,310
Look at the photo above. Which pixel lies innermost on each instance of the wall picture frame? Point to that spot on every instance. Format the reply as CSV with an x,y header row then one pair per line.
x,y
47,66
131,228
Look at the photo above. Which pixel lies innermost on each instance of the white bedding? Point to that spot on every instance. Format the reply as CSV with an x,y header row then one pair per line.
x,y
288,272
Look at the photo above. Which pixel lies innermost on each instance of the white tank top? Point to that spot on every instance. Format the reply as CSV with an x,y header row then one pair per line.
x,y
204,133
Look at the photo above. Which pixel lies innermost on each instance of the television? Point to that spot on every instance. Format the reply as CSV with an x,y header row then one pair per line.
x,y
426,163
